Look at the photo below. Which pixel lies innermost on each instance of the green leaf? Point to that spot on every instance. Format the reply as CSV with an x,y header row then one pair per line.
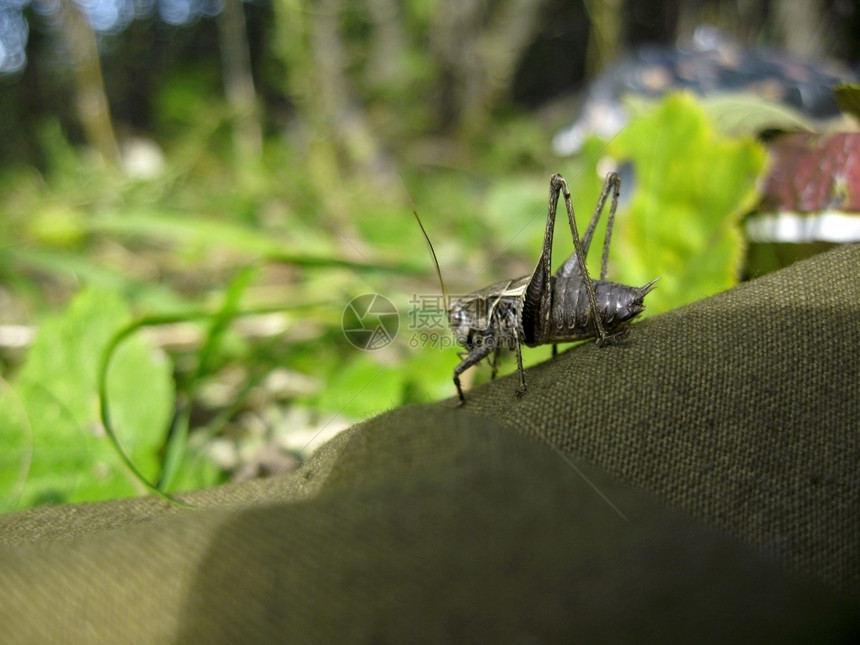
x,y
689,188
737,113
50,420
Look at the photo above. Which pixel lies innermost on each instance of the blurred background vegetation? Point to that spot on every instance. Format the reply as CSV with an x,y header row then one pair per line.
x,y
191,192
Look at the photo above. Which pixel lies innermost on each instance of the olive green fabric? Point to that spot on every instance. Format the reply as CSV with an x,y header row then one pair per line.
x,y
700,480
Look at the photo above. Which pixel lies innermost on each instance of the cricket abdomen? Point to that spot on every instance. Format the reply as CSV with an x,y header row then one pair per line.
x,y
571,317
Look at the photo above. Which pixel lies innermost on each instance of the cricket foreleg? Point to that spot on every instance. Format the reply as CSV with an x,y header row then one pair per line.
x,y
476,355
522,388
494,361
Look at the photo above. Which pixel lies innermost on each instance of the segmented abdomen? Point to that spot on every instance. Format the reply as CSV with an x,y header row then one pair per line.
x,y
571,310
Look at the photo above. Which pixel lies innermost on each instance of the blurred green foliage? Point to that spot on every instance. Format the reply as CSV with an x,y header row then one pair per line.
x,y
53,447
690,188
259,260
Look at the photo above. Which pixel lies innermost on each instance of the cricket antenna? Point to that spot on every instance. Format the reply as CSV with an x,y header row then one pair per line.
x,y
435,259
429,244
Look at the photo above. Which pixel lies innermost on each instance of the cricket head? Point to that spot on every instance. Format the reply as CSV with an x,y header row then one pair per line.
x,y
490,317
460,321
469,321
484,318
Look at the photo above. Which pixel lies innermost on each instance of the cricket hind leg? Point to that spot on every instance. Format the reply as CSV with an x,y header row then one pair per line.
x,y
612,184
579,253
538,297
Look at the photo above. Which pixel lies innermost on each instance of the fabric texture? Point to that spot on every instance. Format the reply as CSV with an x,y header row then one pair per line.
x,y
699,480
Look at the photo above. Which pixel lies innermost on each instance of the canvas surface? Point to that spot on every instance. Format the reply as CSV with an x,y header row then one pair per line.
x,y
700,480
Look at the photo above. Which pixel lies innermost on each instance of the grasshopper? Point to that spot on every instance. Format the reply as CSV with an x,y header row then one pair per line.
x,y
545,308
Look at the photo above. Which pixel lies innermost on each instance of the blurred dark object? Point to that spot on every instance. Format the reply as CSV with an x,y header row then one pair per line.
x,y
712,64
810,200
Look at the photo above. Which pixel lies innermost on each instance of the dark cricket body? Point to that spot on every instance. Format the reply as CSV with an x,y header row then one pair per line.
x,y
571,315
545,308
